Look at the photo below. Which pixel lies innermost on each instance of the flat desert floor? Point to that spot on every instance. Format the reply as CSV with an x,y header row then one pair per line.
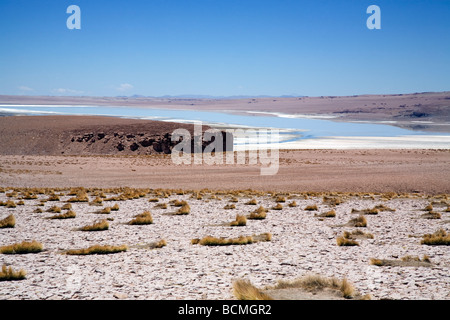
x,y
400,183
302,242
423,171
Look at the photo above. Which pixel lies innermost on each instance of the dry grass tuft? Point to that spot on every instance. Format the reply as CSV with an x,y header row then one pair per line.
x,y
178,203
8,274
328,214
311,208
10,204
54,209
229,207
314,283
409,258
357,234
431,215
280,199
22,248
258,214
212,241
67,206
68,215
185,209
412,261
342,241
244,290
440,237
160,244
278,207
105,210
161,206
97,249
142,219
382,207
372,211
8,222
292,204
332,201
240,221
80,196
53,197
252,202
359,222
97,226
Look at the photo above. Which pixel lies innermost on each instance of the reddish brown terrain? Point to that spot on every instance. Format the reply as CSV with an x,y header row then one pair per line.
x,y
111,152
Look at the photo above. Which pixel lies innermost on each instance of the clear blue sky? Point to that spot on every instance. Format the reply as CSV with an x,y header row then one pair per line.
x,y
223,48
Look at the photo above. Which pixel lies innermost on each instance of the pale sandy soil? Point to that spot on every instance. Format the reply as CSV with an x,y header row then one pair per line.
x,y
302,244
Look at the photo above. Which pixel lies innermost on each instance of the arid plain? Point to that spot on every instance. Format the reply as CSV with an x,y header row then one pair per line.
x,y
309,227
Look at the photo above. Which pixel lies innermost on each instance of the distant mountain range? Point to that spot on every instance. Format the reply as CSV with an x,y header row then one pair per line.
x,y
200,96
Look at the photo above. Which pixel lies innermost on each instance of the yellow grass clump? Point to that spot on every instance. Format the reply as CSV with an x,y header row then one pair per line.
x,y
68,215
439,237
332,201
8,274
382,207
230,206
96,226
234,199
342,241
66,206
278,207
178,203
244,290
212,241
292,204
359,222
160,244
105,210
240,221
185,209
311,208
328,214
357,234
97,249
408,260
81,196
53,197
258,214
10,204
22,248
161,206
252,202
317,283
142,218
8,222
54,209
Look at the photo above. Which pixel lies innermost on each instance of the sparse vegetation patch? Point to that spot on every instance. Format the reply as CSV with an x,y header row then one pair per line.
x,y
22,248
